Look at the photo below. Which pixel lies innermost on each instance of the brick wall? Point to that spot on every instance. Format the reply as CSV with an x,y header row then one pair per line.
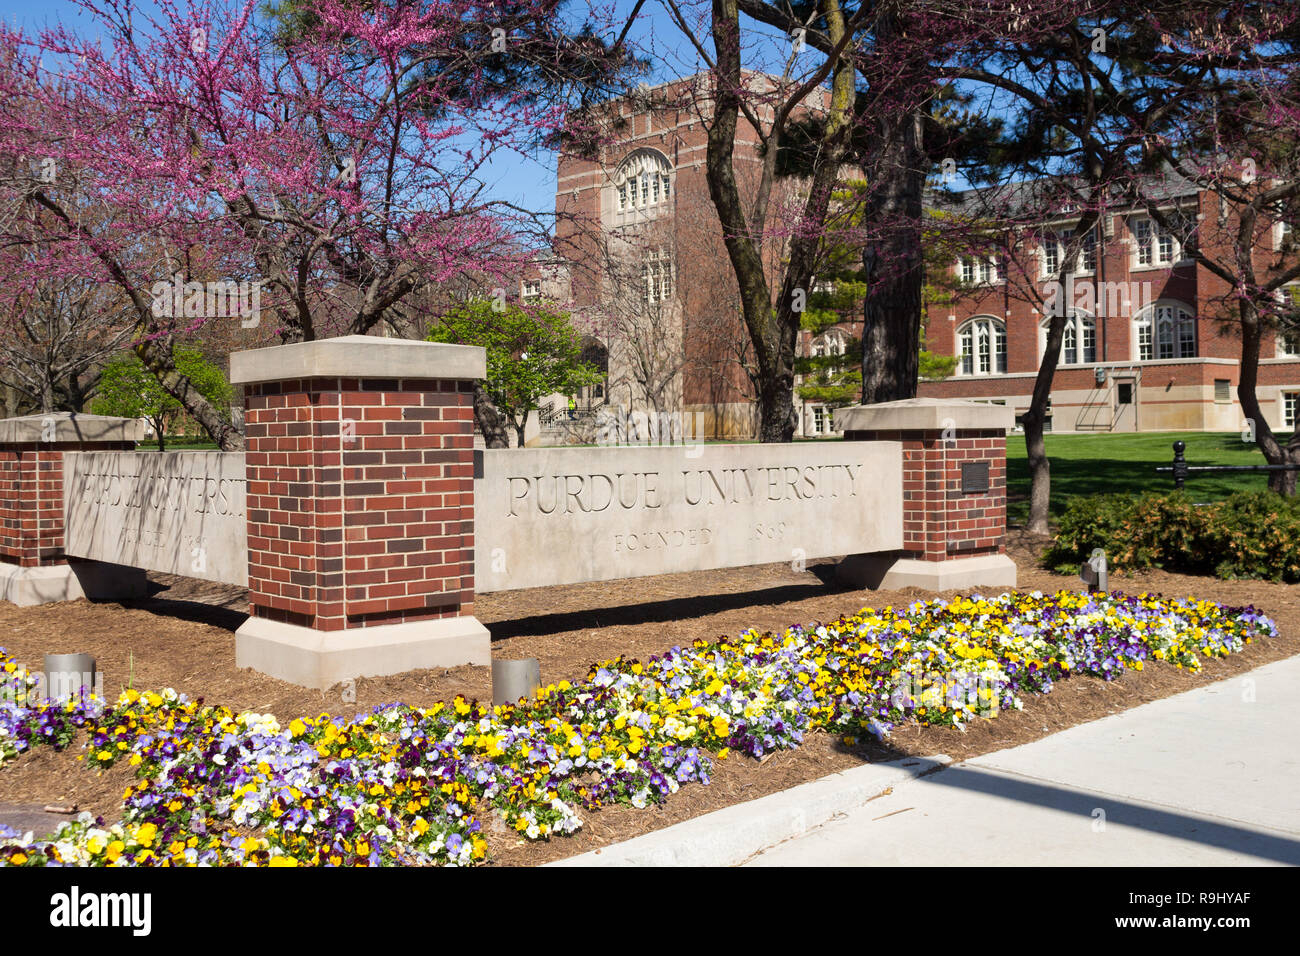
x,y
31,500
360,501
940,522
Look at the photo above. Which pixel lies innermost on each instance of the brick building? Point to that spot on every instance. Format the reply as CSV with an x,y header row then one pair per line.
x,y
1145,348
644,265
639,257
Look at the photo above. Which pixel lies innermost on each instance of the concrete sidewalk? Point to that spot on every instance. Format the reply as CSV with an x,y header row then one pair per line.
x,y
1208,777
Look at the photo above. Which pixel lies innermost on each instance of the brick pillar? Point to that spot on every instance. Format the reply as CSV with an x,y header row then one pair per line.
x,y
360,506
954,517
33,566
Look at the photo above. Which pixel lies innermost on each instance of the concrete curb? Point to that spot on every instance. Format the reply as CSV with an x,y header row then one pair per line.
x,y
732,835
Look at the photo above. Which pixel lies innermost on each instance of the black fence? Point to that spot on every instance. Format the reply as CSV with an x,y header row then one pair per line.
x,y
1182,471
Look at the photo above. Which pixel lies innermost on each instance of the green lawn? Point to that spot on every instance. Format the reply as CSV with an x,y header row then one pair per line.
x,y
1093,464
179,444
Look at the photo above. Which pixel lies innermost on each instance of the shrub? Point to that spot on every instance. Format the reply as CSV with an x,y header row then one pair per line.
x,y
1248,535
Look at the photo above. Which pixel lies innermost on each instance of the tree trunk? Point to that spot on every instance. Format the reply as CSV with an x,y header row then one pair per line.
x,y
520,427
160,430
157,358
1040,468
773,340
1286,484
490,422
895,274
894,263
1035,419
776,404
755,297
1283,482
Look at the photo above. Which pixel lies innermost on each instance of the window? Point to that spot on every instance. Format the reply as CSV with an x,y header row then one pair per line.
x,y
1153,247
982,344
1124,393
1288,334
1290,402
1165,332
1079,341
1050,244
834,346
829,344
1142,241
1052,251
1089,252
642,182
819,420
984,270
532,289
656,276
1222,390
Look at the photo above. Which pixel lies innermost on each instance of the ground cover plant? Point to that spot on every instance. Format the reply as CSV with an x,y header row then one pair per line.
x,y
401,785
1246,535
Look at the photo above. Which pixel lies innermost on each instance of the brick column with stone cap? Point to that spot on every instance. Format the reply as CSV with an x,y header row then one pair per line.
x,y
954,493
33,566
360,507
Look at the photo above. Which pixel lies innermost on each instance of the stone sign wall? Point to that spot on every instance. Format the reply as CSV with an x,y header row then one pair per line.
x,y
566,515
176,512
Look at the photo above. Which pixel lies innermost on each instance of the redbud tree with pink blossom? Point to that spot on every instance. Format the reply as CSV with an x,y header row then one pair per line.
x,y
328,174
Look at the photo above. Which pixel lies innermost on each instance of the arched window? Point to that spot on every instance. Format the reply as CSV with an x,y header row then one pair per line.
x,y
982,345
642,182
830,343
1166,330
1079,341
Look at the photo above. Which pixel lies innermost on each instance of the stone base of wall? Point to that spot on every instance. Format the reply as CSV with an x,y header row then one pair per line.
x,y
95,580
321,659
892,572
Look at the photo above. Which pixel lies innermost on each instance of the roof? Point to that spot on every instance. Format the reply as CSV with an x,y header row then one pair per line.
x,y
1032,196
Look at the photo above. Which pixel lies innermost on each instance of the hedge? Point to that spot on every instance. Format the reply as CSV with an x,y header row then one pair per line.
x,y
1247,535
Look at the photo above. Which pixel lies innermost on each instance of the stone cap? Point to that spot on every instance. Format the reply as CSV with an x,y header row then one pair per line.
x,y
925,414
52,428
358,356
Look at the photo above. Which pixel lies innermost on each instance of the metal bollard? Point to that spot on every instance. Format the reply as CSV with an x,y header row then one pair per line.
x,y
1180,465
1095,574
512,680
67,675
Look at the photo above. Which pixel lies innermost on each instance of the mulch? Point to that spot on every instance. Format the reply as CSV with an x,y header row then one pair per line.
x,y
182,636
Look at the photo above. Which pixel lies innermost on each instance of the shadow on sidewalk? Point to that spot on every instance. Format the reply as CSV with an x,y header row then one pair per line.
x,y
1121,813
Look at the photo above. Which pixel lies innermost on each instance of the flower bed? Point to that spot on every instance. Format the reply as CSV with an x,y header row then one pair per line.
x,y
402,785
